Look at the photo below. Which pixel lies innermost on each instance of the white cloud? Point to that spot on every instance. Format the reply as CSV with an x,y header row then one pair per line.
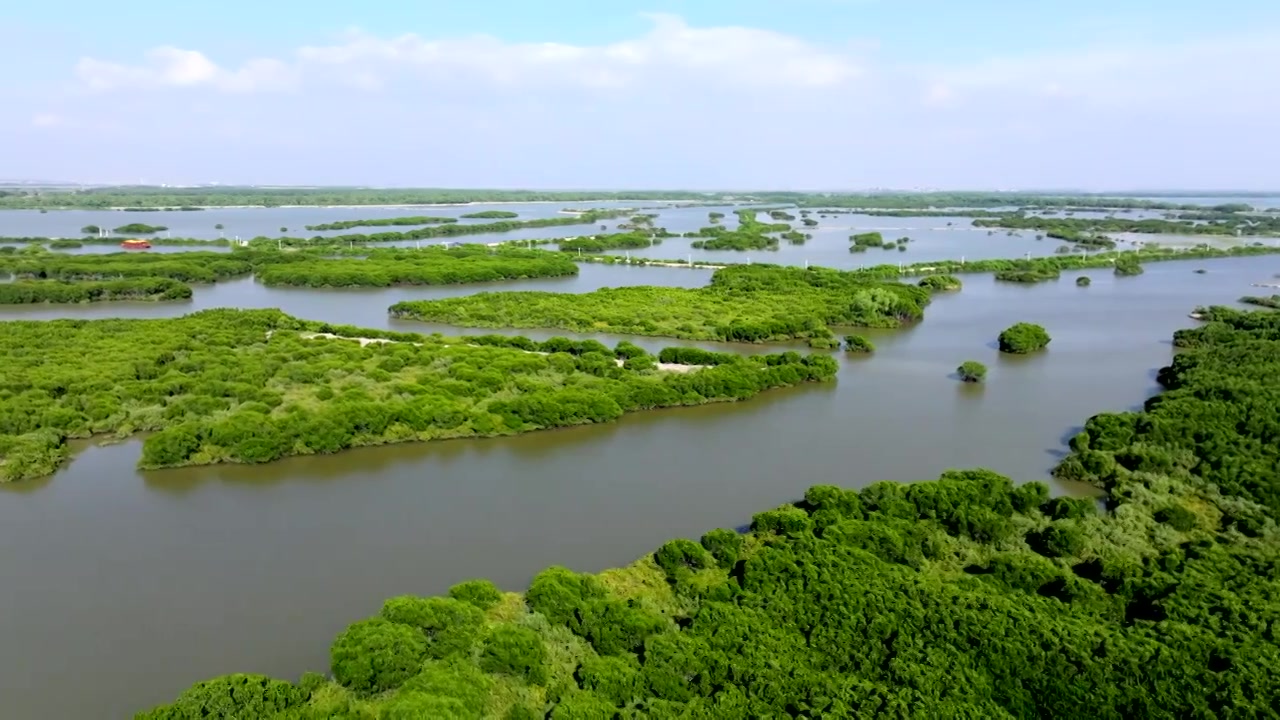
x,y
681,101
670,50
170,67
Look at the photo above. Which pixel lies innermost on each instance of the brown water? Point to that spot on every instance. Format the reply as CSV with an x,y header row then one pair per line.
x,y
122,587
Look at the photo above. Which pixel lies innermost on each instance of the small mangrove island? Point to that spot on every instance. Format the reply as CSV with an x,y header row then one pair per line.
x,y
1022,338
743,303
252,386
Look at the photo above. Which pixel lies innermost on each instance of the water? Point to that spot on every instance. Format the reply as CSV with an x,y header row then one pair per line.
x,y
123,587
252,222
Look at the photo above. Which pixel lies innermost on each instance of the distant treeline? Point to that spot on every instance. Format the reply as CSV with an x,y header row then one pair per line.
x,y
441,231
1226,224
381,222
157,197
94,240
194,198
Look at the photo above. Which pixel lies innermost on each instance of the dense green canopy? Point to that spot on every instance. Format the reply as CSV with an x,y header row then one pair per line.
x,y
257,385
968,597
746,303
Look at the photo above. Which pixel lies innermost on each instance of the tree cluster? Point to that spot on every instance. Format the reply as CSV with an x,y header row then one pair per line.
x,y
256,385
26,292
966,597
385,222
743,303
427,266
1022,338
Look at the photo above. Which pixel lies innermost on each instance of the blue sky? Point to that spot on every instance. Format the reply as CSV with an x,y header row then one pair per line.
x,y
807,94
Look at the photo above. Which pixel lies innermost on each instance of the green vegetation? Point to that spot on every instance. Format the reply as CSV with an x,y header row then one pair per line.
x,y
615,241
319,267
1058,263
395,266
65,244
936,200
25,292
384,222
197,267
715,217
429,232
1127,266
862,241
91,229
139,229
972,371
968,597
941,283
1272,302
743,303
1041,273
1083,281
858,344
95,240
1023,338
736,240
750,235
1080,230
256,385
492,215
781,215
795,237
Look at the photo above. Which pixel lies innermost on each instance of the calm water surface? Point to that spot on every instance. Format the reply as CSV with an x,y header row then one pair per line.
x,y
123,587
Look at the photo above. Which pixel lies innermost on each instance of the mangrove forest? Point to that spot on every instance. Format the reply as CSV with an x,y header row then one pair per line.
x,y
968,597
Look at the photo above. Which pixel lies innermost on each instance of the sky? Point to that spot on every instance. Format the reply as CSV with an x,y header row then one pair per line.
x,y
665,94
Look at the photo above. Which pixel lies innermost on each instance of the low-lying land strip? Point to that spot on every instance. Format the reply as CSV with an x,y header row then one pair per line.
x,y
428,266
967,597
744,303
213,387
29,292
383,222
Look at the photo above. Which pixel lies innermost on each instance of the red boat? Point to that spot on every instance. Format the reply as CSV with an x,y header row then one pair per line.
x,y
138,244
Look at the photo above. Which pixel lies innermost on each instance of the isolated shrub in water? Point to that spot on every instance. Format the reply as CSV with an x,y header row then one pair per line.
x,y
1023,338
858,344
971,371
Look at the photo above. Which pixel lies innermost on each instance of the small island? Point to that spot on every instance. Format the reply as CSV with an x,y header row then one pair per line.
x,y
1083,281
253,386
153,289
972,371
138,229
858,344
491,215
1022,338
940,283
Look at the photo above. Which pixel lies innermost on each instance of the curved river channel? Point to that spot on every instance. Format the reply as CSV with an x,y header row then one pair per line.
x,y
123,587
